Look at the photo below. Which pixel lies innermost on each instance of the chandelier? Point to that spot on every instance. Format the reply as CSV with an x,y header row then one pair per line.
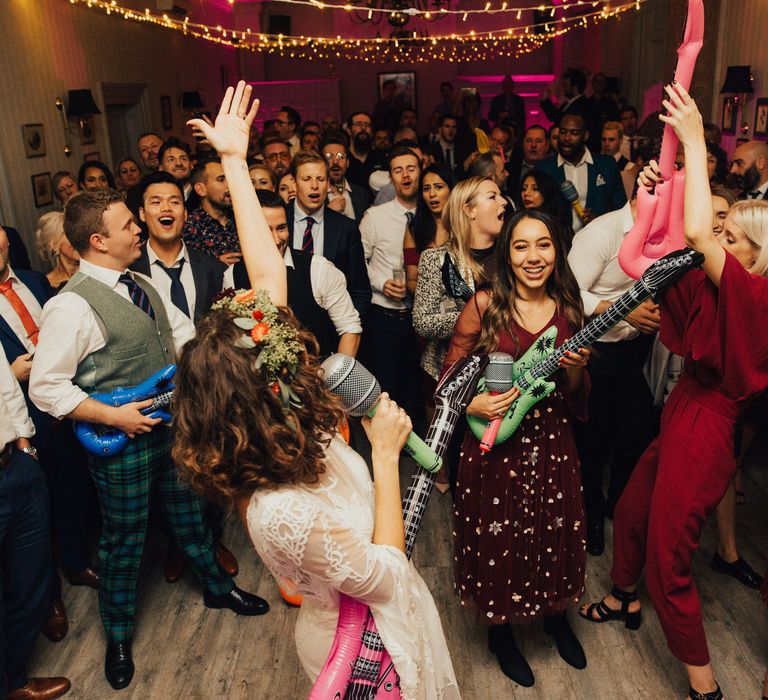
x,y
397,12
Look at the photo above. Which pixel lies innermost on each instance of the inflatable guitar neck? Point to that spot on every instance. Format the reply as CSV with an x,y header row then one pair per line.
x,y
357,645
658,228
104,441
542,360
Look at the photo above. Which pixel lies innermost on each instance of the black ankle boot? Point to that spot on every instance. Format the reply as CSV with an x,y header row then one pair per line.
x,y
501,641
568,646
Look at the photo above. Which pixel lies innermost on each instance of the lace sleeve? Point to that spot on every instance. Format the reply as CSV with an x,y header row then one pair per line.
x,y
431,319
467,330
300,541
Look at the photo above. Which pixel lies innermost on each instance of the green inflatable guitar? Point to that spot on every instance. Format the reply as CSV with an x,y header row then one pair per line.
x,y
542,359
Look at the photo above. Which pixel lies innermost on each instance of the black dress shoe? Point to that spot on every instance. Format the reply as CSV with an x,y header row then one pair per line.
x,y
739,569
238,601
118,664
501,641
595,536
568,646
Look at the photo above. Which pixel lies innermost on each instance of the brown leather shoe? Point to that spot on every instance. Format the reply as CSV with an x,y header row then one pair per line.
x,y
175,564
56,626
226,560
40,689
86,577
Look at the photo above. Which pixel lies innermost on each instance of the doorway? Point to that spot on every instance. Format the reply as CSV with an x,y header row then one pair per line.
x,y
126,108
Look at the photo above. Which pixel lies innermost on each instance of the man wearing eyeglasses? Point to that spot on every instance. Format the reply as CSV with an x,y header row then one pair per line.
x,y
343,196
362,159
277,155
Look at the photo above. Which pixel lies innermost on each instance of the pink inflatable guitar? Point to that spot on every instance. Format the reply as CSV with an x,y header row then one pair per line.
x,y
358,666
658,229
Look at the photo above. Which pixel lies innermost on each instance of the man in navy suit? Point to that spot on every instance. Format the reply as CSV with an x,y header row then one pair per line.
x,y
508,101
191,279
344,196
750,169
315,228
596,177
23,294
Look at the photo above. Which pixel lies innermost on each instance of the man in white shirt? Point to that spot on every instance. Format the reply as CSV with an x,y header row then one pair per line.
x,y
621,416
25,547
390,340
108,328
317,290
612,136
344,196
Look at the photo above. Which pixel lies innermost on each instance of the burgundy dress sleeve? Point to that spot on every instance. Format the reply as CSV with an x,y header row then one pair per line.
x,y
466,332
411,256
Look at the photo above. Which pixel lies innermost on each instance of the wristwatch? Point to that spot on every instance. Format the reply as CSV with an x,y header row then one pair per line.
x,y
31,451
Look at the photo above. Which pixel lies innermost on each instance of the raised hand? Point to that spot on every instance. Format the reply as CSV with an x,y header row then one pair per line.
x,y
229,133
682,114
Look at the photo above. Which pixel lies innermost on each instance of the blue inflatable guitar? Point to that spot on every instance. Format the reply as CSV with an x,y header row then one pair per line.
x,y
105,441
542,359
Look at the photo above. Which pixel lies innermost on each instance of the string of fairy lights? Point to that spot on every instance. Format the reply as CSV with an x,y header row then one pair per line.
x,y
404,47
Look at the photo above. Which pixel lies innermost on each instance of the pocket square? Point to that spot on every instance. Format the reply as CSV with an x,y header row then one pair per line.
x,y
600,180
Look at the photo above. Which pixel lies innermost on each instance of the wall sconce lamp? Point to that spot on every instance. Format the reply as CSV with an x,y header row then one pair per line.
x,y
80,104
738,82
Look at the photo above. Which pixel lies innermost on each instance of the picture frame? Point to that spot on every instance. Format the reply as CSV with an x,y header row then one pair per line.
x,y
93,155
167,114
33,136
42,189
761,117
87,129
730,110
405,88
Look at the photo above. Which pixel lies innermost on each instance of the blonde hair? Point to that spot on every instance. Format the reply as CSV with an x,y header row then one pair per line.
x,y
49,235
458,226
614,126
751,216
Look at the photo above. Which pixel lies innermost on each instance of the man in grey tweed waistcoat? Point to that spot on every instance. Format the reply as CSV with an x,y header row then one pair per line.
x,y
110,328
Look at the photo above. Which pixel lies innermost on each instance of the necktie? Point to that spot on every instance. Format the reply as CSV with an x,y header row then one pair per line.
x,y
307,244
178,295
448,161
138,297
23,313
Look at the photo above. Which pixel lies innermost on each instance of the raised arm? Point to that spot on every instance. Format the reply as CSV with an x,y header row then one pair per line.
x,y
229,136
684,117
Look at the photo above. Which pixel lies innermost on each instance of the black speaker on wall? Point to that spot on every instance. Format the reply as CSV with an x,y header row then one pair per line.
x,y
279,24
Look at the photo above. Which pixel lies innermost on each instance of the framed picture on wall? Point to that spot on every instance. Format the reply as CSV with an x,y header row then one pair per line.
x,y
399,88
34,140
761,117
165,110
93,155
730,109
42,189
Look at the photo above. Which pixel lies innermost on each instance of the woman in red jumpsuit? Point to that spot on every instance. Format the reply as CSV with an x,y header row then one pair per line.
x,y
716,318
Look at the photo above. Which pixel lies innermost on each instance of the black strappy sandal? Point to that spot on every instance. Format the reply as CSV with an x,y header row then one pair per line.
x,y
714,695
600,612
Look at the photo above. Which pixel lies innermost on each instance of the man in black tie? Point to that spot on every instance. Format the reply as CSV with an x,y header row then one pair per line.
x,y
315,228
750,169
443,150
191,279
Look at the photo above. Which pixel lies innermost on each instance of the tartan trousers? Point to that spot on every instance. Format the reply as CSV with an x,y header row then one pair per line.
x,y
125,484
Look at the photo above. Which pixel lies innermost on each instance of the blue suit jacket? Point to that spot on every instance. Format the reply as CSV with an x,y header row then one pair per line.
x,y
605,191
343,246
13,347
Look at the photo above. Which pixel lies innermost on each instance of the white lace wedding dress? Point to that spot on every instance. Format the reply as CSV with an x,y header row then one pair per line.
x,y
316,541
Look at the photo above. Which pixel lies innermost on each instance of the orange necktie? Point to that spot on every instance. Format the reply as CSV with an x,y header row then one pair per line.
x,y
18,306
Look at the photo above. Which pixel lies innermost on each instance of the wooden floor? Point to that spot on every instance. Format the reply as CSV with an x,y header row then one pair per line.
x,y
183,650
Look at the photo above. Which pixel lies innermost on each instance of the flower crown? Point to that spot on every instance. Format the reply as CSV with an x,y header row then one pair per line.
x,y
279,344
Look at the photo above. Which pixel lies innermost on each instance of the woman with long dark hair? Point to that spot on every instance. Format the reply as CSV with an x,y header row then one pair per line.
x,y
519,525
538,190
256,429
94,174
426,229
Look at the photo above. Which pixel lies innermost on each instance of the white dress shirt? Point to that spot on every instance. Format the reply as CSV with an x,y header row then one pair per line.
x,y
9,313
15,422
578,174
349,210
70,332
299,226
161,280
329,289
594,259
382,230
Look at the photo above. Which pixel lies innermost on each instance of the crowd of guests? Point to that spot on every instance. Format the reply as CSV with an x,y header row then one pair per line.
x,y
403,248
